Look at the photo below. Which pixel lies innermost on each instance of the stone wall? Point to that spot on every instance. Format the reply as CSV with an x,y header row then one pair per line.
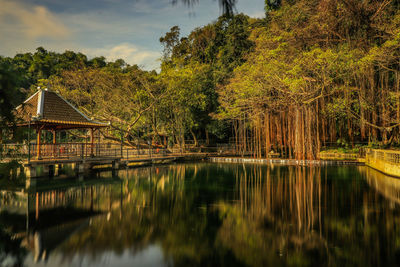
x,y
386,161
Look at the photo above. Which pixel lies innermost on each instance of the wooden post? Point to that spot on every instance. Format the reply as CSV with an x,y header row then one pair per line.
x,y
29,140
54,136
54,142
91,142
39,139
122,145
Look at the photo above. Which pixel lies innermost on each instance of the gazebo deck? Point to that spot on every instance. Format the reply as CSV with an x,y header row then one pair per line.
x,y
49,111
61,151
80,155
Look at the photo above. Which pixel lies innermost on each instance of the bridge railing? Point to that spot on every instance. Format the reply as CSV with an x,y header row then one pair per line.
x,y
87,150
59,150
13,151
132,153
81,150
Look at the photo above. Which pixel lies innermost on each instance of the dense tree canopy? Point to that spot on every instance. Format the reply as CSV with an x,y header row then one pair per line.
x,y
10,95
311,74
321,71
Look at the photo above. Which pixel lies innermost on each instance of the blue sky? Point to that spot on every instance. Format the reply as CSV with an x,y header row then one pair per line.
x,y
127,29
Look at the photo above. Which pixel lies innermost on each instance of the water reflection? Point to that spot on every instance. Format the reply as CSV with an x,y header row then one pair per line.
x,y
387,186
210,214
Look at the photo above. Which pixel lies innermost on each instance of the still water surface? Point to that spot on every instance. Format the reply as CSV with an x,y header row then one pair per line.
x,y
207,214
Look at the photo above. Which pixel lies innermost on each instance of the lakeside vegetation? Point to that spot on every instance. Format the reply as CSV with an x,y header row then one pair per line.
x,y
310,73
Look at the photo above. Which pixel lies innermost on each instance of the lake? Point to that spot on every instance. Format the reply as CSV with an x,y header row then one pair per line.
x,y
206,214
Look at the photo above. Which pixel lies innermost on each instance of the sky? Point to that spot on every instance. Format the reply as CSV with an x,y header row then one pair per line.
x,y
127,29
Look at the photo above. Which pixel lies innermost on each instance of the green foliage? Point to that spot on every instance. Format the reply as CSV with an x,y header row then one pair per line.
x,y
337,62
271,5
118,93
194,66
326,56
170,40
10,96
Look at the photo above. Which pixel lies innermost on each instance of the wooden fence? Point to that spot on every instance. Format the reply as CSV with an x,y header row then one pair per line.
x,y
75,150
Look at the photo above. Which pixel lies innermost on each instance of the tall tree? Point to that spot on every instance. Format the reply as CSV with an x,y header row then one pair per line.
x,y
10,95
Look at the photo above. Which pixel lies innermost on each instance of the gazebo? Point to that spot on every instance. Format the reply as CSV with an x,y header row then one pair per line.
x,y
49,111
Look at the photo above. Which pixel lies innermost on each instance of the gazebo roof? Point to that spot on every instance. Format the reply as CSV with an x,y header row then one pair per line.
x,y
51,110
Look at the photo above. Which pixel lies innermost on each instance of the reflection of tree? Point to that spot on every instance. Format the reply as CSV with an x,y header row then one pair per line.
x,y
10,174
299,216
11,253
163,206
246,214
388,186
274,217
231,214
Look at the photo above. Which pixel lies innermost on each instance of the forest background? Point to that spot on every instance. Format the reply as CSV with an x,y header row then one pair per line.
x,y
309,74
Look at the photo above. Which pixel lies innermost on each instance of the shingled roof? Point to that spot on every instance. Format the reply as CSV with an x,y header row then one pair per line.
x,y
51,110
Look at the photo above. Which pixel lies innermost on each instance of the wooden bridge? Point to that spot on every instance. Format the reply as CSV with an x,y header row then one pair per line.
x,y
84,156
48,112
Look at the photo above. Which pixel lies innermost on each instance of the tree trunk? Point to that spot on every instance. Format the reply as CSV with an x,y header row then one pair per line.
x,y
196,143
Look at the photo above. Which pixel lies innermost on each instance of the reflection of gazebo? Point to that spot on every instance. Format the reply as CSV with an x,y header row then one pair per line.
x,y
47,110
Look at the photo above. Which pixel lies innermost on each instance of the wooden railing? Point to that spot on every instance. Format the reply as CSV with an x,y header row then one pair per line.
x,y
80,150
87,150
61,150
13,151
70,150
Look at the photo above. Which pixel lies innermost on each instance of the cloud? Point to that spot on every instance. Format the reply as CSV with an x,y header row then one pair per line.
x,y
130,53
127,29
32,22
257,14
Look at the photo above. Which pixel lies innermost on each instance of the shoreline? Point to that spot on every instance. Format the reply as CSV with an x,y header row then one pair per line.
x,y
289,162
